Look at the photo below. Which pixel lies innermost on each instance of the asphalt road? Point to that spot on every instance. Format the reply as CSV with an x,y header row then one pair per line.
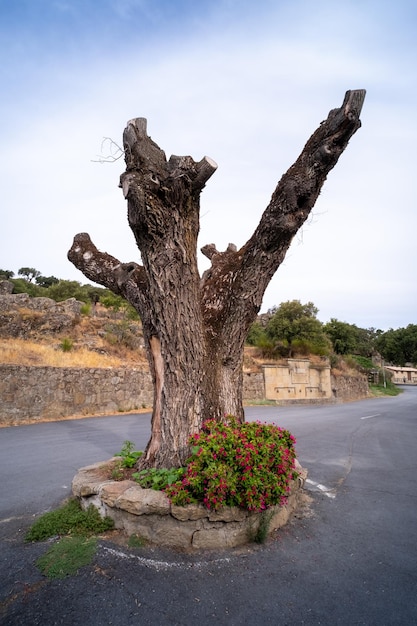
x,y
349,557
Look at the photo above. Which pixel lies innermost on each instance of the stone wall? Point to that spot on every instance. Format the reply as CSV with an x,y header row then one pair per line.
x,y
253,386
149,514
35,393
348,388
31,393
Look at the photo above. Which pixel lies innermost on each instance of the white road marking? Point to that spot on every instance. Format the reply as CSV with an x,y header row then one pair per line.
x,y
12,519
330,493
164,565
367,417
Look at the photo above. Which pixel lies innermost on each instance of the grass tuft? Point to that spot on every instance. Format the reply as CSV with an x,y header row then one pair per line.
x,y
69,519
136,541
66,556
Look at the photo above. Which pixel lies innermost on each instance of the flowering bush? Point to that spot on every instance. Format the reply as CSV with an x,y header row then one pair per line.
x,y
248,465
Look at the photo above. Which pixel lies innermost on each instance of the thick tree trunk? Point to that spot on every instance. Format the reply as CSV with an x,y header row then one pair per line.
x,y
195,328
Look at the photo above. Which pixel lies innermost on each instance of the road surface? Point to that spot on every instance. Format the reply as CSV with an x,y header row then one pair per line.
x,y
348,558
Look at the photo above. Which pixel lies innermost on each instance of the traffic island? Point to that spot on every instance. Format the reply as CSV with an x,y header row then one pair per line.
x,y
150,514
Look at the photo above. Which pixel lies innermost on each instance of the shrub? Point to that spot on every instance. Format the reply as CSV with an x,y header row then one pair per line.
x,y
248,465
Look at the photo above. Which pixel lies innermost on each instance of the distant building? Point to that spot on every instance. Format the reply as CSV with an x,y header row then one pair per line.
x,y
403,375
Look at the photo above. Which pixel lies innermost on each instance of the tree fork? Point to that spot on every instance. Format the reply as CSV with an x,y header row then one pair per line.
x,y
195,328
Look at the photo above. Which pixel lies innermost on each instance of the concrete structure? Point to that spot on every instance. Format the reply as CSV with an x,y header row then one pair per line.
x,y
299,379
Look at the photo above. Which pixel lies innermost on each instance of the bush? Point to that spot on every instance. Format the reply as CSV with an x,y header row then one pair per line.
x,y
248,465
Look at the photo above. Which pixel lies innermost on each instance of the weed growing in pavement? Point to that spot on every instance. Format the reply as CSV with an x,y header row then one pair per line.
x,y
261,534
66,556
136,541
77,547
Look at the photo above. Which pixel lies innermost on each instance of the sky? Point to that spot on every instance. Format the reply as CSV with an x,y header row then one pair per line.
x,y
245,83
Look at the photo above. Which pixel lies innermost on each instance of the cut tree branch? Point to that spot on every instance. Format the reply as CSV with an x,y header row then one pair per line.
x,y
235,284
125,279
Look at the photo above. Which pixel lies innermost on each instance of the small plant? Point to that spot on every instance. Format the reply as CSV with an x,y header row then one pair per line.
x,y
136,541
66,556
129,454
66,345
158,478
85,309
78,547
117,471
249,465
69,519
261,535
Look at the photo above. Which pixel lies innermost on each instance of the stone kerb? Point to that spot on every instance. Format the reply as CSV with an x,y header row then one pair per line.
x,y
151,515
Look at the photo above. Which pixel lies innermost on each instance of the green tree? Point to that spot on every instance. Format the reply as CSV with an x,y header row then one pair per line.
x,y
6,274
256,334
46,281
294,327
399,346
109,300
350,339
21,285
65,289
344,336
29,273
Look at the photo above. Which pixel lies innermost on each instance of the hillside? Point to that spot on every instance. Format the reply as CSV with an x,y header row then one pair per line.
x,y
40,331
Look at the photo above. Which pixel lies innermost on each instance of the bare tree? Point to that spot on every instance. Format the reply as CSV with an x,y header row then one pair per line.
x,y
195,327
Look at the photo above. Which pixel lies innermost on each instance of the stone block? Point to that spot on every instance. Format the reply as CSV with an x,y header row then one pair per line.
x,y
227,535
143,501
228,514
188,512
111,491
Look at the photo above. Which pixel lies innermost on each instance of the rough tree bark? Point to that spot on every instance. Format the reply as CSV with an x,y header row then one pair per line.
x,y
195,327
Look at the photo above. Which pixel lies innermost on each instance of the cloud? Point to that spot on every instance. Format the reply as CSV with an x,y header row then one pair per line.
x,y
245,84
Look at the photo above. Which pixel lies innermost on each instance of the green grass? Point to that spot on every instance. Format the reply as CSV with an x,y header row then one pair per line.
x,y
78,545
69,519
261,534
389,390
66,556
136,541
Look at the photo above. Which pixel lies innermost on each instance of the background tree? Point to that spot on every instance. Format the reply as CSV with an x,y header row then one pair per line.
x,y
399,346
29,273
195,327
344,336
46,281
65,289
6,274
294,328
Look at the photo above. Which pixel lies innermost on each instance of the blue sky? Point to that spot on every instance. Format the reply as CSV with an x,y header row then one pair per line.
x,y
245,83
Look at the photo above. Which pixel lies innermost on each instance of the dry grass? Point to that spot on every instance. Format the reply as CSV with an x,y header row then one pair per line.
x,y
26,352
